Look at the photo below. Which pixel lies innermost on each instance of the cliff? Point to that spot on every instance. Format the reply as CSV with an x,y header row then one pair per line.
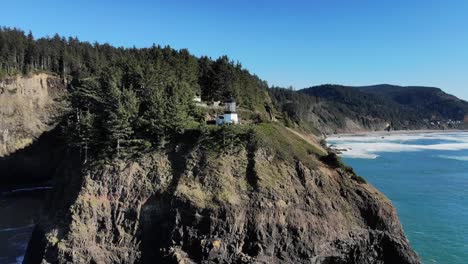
x,y
28,109
264,195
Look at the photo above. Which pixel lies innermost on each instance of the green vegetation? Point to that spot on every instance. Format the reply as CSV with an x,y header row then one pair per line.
x,y
427,102
332,160
404,107
335,162
331,107
285,144
221,139
295,108
124,100
358,178
240,158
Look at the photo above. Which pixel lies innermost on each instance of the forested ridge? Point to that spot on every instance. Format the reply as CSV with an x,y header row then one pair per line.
x,y
126,98
429,102
331,108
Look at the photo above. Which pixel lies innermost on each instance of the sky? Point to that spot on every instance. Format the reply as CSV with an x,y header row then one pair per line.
x,y
287,43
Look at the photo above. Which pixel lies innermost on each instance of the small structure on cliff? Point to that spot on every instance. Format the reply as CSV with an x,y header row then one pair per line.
x,y
197,98
230,113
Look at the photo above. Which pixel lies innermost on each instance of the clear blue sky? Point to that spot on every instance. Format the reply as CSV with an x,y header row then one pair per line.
x,y
298,43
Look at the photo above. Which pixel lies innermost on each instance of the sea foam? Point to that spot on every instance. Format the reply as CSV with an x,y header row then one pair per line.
x,y
459,158
368,146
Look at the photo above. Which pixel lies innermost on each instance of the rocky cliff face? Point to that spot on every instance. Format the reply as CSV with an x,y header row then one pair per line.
x,y
30,148
28,108
196,203
347,125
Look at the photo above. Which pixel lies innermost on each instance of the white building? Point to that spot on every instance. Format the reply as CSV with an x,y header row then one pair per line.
x,y
230,114
231,118
197,99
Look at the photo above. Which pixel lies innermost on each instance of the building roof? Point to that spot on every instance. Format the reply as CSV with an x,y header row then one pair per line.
x,y
230,100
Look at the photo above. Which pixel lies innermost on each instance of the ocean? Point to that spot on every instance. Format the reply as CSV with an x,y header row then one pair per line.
x,y
19,207
425,175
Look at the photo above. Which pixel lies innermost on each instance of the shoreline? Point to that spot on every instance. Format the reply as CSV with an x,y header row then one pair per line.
x,y
395,132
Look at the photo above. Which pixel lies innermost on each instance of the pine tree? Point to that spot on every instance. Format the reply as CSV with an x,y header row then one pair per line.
x,y
29,54
154,104
121,108
83,129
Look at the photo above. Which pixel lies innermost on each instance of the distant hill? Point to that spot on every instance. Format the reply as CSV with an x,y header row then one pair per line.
x,y
336,108
429,100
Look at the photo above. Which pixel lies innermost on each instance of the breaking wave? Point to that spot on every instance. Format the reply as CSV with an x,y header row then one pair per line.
x,y
368,146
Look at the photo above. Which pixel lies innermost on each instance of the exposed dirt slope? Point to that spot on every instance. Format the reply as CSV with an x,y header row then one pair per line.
x,y
29,107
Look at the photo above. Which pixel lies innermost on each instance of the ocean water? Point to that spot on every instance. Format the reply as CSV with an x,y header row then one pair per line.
x,y
18,210
426,178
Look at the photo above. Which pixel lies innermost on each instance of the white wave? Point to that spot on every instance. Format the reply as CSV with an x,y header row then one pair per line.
x,y
11,229
455,137
368,147
32,189
359,155
20,259
460,158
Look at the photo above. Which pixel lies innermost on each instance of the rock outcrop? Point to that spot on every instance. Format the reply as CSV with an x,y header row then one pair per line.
x,y
198,203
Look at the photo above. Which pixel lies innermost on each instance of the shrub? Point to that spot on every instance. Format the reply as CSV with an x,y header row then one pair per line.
x,y
332,160
359,179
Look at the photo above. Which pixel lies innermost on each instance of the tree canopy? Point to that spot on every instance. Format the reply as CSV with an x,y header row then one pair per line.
x,y
122,98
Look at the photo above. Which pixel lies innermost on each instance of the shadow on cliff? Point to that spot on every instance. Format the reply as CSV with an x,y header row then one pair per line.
x,y
45,161
164,218
168,223
66,177
34,164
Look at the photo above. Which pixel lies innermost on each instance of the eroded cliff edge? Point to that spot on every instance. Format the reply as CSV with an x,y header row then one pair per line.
x,y
266,196
30,146
29,107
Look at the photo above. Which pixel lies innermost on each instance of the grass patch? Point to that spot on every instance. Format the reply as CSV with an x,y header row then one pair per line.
x,y
228,196
271,177
287,145
194,192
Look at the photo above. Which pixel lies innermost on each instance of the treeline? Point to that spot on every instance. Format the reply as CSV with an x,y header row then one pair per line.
x,y
294,106
122,98
212,79
348,102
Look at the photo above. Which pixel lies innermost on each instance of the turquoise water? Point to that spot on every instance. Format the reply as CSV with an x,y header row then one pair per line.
x,y
426,177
